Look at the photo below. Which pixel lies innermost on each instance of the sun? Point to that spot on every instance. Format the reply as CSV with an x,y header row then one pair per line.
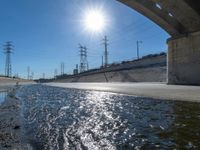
x,y
94,20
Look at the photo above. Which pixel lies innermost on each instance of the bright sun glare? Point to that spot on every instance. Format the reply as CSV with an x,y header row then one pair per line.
x,y
94,20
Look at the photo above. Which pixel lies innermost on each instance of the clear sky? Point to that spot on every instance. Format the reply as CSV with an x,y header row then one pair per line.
x,y
47,32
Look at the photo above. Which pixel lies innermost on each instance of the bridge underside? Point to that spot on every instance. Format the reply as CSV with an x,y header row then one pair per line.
x,y
181,19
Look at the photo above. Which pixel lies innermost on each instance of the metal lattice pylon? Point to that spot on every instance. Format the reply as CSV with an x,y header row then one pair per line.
x,y
83,59
8,47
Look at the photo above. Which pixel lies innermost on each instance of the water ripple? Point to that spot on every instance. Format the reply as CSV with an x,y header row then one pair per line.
x,y
56,118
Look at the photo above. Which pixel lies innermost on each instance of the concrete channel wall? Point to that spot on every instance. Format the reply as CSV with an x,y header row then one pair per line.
x,y
151,69
10,82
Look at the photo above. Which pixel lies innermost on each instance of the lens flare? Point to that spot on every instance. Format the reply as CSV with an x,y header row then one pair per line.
x,y
94,20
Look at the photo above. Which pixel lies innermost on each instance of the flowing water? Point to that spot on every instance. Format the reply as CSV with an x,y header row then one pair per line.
x,y
3,95
59,119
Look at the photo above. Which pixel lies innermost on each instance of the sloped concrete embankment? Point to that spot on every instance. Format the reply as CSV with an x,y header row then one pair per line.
x,y
11,124
150,69
156,74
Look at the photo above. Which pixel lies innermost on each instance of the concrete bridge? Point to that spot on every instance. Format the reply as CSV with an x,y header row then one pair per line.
x,y
181,19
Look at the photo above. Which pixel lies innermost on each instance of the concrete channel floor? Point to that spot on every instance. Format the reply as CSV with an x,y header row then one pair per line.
x,y
151,90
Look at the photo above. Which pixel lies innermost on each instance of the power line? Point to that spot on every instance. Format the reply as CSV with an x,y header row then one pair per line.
x,y
8,47
128,35
130,27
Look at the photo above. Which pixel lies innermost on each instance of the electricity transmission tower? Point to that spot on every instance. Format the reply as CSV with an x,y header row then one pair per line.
x,y
105,42
83,59
8,47
138,48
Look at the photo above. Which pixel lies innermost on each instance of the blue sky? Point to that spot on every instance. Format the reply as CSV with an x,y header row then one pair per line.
x,y
47,32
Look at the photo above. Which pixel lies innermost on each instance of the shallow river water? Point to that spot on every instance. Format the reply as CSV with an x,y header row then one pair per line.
x,y
69,119
3,95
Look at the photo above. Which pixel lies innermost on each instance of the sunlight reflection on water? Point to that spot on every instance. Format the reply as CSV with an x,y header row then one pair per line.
x,y
56,118
3,95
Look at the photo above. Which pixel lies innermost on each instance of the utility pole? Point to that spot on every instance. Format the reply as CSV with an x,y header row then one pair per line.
x,y
43,75
105,42
102,61
62,68
83,59
55,73
32,75
28,73
138,48
16,75
86,61
8,47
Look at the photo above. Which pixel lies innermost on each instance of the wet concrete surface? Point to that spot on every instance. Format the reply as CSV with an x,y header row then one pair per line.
x,y
10,122
157,90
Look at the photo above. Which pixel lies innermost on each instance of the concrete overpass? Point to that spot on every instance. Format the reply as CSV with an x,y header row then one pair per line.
x,y
181,19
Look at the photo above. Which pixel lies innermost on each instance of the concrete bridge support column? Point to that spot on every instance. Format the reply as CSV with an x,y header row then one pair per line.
x,y
184,60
